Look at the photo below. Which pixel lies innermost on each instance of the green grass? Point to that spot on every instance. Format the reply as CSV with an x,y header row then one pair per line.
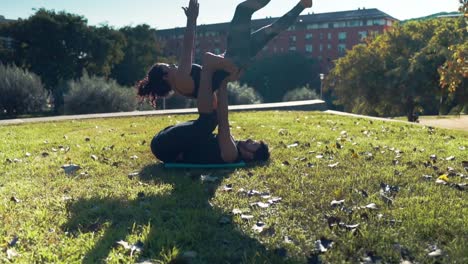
x,y
47,216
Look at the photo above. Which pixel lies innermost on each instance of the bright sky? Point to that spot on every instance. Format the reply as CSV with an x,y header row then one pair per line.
x,y
162,14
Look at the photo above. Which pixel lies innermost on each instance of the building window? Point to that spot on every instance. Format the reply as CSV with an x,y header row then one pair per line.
x,y
329,36
217,51
329,46
309,48
321,36
378,22
341,49
292,48
321,47
354,23
320,58
323,25
292,38
292,28
362,35
308,36
342,36
389,23
312,26
340,24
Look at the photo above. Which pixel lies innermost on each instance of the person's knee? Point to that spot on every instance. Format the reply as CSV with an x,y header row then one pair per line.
x,y
206,123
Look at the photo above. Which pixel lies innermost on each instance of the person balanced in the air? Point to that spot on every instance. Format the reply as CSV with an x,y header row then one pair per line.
x,y
194,141
242,46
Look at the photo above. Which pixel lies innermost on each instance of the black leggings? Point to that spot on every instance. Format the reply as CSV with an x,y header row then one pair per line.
x,y
242,45
173,140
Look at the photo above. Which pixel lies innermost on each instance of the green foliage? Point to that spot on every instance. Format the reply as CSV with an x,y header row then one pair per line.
x,y
98,95
301,93
78,218
58,46
142,50
275,75
21,92
242,94
379,78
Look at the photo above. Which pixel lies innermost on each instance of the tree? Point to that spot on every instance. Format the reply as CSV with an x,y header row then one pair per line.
x,y
59,46
273,76
141,51
396,70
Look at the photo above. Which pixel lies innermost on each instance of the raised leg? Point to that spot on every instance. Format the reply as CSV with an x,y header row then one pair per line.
x,y
261,37
238,40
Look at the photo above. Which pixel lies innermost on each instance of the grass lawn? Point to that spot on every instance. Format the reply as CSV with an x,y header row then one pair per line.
x,y
337,189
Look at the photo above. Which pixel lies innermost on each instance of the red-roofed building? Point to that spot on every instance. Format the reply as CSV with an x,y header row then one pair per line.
x,y
324,36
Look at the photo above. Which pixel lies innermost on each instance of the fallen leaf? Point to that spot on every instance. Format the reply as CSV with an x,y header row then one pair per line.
x,y
14,199
323,245
11,253
133,175
137,247
333,165
94,157
13,242
208,178
227,188
70,168
372,206
134,157
337,203
236,211
427,177
260,204
292,145
435,253
246,217
450,158
274,200
259,227
444,178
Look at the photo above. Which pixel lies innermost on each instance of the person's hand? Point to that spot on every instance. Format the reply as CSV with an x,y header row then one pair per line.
x,y
192,10
306,3
233,70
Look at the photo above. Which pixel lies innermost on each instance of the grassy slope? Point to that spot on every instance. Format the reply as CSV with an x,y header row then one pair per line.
x,y
70,219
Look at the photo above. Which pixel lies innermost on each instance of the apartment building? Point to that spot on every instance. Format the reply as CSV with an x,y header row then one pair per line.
x,y
7,42
324,36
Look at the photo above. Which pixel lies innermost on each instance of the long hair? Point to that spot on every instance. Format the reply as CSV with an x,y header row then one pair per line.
x,y
153,86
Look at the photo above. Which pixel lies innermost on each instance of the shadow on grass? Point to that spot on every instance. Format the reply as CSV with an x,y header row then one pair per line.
x,y
182,217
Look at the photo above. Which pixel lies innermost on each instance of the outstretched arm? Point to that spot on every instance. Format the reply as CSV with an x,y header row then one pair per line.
x,y
226,142
185,62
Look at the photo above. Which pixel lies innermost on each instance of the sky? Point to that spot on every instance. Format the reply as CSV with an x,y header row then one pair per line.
x,y
163,14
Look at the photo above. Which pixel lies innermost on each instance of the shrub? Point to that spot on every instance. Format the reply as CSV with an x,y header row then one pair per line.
x,y
302,93
242,94
98,95
21,92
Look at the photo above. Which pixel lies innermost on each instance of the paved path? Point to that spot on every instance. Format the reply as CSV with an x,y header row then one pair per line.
x,y
456,122
308,105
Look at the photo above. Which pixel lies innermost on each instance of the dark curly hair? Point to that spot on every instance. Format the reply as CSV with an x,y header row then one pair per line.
x,y
153,86
262,153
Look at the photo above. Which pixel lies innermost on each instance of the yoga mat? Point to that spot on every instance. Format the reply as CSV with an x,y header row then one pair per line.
x,y
203,166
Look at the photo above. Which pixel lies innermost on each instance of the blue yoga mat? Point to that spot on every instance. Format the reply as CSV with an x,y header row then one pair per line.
x,y
203,166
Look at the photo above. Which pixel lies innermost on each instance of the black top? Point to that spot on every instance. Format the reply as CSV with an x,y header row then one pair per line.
x,y
218,77
205,152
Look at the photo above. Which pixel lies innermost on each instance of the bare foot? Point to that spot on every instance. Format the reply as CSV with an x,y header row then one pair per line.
x,y
306,3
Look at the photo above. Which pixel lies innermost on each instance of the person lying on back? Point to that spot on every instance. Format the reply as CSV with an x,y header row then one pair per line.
x,y
194,141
